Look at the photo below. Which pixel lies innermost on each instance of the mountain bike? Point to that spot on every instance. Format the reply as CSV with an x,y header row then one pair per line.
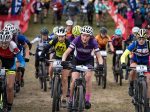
x,y
56,85
101,76
117,71
3,94
140,100
78,99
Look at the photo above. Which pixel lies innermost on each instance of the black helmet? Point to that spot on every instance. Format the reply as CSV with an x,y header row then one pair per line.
x,y
103,30
44,31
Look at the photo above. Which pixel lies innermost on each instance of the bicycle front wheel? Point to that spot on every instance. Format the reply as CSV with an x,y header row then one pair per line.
x,y
81,99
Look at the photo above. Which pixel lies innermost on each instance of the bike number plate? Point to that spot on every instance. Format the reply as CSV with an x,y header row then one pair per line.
x,y
119,51
141,68
57,64
103,53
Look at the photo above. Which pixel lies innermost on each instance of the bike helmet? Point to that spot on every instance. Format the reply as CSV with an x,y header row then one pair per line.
x,y
61,31
10,27
76,31
103,30
69,22
55,29
135,29
5,35
118,32
44,31
87,30
142,33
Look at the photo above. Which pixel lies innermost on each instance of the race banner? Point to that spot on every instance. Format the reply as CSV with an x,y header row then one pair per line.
x,y
120,22
18,20
16,7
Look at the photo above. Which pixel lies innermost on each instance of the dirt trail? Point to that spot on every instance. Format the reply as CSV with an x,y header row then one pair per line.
x,y
113,99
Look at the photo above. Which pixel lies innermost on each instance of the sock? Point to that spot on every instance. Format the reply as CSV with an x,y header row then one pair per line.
x,y
9,105
87,97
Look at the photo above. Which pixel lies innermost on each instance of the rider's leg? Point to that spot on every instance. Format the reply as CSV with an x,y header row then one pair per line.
x,y
10,90
132,77
88,78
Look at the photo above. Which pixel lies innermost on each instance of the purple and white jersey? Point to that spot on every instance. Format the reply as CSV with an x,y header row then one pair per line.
x,y
84,53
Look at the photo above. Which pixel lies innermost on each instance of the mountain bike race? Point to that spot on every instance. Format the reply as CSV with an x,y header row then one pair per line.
x,y
74,56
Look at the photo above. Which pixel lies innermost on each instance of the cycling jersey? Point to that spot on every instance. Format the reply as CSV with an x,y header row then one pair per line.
x,y
72,8
140,53
9,54
59,47
117,42
71,38
130,39
21,40
41,43
84,53
102,41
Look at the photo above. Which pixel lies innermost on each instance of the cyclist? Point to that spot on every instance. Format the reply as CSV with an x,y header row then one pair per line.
x,y
84,45
53,35
103,39
140,49
42,40
60,45
8,52
132,36
117,43
23,44
76,31
69,26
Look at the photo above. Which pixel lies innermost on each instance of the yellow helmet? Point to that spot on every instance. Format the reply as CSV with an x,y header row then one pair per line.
x,y
76,31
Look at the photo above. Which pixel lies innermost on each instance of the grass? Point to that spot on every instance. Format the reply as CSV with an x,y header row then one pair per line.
x,y
34,29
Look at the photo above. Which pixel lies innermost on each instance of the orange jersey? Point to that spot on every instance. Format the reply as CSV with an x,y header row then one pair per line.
x,y
102,41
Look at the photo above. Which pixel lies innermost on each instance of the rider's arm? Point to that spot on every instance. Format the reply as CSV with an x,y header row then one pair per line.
x,y
130,48
35,40
110,44
66,53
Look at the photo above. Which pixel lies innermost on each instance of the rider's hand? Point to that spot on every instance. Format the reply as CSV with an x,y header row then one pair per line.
x,y
100,67
26,59
64,64
123,65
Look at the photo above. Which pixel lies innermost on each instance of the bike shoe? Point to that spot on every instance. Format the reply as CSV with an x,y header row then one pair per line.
x,y
87,105
130,91
64,103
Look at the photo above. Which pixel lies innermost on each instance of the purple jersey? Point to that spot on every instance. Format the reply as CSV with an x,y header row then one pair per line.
x,y
84,53
71,38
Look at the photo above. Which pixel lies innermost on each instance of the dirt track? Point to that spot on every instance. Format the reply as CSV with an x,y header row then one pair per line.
x,y
113,99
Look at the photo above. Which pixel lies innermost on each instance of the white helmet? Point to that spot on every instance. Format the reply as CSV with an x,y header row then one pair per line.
x,y
69,22
61,31
135,29
87,30
55,29
10,27
5,35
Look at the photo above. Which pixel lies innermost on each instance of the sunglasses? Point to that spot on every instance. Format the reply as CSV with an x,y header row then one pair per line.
x,y
141,38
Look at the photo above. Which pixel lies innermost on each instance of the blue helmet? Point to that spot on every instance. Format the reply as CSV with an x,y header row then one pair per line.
x,y
118,32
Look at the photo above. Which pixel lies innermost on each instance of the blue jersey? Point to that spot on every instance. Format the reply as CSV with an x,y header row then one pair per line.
x,y
140,52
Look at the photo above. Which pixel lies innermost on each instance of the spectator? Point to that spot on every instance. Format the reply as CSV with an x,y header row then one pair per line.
x,y
4,7
90,11
138,18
